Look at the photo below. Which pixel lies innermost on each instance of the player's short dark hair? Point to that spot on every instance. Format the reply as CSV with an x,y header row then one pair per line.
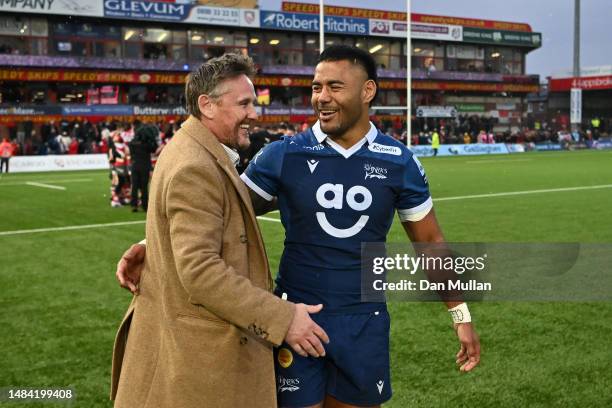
x,y
354,55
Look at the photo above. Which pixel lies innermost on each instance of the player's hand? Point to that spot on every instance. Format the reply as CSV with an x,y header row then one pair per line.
x,y
129,267
468,356
304,335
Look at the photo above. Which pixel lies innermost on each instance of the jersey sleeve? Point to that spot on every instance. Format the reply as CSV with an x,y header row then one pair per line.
x,y
414,201
264,171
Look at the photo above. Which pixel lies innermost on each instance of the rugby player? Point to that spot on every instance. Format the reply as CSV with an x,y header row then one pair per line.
x,y
338,184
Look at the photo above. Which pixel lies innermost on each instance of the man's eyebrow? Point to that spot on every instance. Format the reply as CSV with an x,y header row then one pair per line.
x,y
332,82
247,99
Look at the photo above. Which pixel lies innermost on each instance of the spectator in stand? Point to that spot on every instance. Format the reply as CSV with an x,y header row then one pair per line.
x,y
128,132
65,142
482,137
259,137
396,134
276,132
289,131
595,123
490,138
141,148
435,142
6,152
466,138
73,148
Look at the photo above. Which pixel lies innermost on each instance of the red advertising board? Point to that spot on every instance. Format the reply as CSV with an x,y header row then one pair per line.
x,y
585,83
90,76
306,8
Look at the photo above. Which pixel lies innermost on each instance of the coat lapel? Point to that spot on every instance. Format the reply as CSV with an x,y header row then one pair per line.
x,y
194,128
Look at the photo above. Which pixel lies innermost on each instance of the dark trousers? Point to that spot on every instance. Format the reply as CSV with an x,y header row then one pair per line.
x,y
140,182
4,161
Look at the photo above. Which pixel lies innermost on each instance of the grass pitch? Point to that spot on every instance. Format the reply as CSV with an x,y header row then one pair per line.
x,y
61,304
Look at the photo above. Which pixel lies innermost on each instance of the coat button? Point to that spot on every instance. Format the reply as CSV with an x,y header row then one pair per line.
x,y
243,239
244,340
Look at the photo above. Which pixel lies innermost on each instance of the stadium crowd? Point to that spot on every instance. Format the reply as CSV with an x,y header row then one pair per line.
x,y
85,137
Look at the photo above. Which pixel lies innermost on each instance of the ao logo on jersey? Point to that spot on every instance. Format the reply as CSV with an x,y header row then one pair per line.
x,y
358,198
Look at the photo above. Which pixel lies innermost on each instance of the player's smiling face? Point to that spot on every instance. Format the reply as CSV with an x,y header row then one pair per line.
x,y
338,96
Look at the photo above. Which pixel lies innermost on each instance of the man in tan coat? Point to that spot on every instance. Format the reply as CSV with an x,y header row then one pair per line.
x,y
200,331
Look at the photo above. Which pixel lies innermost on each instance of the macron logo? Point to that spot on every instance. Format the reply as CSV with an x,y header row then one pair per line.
x,y
380,384
312,165
378,148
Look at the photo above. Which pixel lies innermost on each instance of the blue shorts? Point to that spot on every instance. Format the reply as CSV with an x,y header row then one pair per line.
x,y
355,369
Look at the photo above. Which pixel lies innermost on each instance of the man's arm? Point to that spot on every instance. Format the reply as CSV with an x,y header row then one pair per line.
x,y
427,230
260,204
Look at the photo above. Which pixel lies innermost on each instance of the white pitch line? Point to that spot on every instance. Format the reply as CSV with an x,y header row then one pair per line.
x,y
70,227
58,181
113,224
497,161
31,183
90,226
511,193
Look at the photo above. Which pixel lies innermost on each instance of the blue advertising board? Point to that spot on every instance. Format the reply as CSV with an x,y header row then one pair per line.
x,y
603,144
548,147
310,22
120,110
461,149
148,10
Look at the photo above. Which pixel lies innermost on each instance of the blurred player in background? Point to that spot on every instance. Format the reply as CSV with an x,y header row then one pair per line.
x,y
118,157
6,152
142,146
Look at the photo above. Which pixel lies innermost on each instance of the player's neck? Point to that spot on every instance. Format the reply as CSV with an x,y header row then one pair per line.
x,y
353,135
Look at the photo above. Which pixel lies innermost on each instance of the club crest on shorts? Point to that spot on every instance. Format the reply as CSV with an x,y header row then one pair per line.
x,y
285,357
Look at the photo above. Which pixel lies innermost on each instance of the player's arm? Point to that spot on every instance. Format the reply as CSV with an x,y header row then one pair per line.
x,y
261,205
427,230
262,177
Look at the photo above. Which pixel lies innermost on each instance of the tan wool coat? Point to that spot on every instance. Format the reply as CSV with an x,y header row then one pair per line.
x,y
201,330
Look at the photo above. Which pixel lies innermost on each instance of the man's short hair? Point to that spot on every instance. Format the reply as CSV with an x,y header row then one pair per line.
x,y
355,55
209,75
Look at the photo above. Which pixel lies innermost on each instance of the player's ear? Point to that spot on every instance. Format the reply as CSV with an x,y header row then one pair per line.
x,y
368,91
206,106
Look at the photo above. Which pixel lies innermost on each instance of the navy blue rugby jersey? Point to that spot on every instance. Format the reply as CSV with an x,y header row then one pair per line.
x,y
331,200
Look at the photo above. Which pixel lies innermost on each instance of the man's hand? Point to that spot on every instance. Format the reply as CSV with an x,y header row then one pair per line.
x,y
468,356
129,267
304,335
